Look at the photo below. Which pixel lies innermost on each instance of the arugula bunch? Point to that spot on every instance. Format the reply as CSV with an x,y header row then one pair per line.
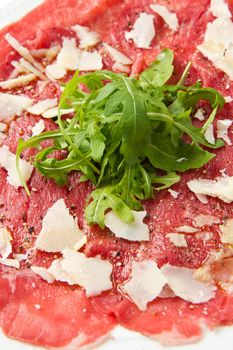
x,y
127,135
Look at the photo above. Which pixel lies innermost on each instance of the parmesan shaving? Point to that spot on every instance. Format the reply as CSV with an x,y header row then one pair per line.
x,y
222,188
169,17
60,275
202,198
173,193
209,134
20,257
59,229
68,57
20,81
10,262
19,67
117,55
146,283
186,229
32,69
93,274
86,36
53,112
38,128
185,286
119,67
49,53
143,31
43,273
218,44
12,105
54,71
222,130
42,106
206,220
227,232
90,61
135,231
5,243
8,162
22,51
200,114
177,239
220,9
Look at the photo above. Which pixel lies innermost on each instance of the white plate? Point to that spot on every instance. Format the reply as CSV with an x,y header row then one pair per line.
x,y
220,339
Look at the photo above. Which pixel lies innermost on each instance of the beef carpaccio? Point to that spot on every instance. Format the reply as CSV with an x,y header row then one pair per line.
x,y
58,314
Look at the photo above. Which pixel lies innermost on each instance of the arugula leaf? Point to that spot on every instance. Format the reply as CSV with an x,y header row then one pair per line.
x,y
160,71
104,199
128,136
167,180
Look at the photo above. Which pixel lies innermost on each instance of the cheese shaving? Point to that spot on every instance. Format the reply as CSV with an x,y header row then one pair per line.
x,y
90,61
218,44
22,51
38,128
5,243
227,232
49,53
135,231
173,193
146,283
209,134
53,112
10,263
86,36
54,71
8,162
177,239
169,17
222,188
200,114
59,229
42,106
56,270
220,9
185,286
93,274
12,105
43,273
186,229
119,67
143,31
117,55
67,59
33,69
222,130
19,67
202,198
206,220
20,81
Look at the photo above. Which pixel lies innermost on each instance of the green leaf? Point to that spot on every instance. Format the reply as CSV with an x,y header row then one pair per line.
x,y
104,199
163,155
160,71
124,134
97,142
166,181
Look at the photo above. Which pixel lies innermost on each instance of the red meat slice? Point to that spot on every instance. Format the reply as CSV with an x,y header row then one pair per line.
x,y
60,317
48,315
